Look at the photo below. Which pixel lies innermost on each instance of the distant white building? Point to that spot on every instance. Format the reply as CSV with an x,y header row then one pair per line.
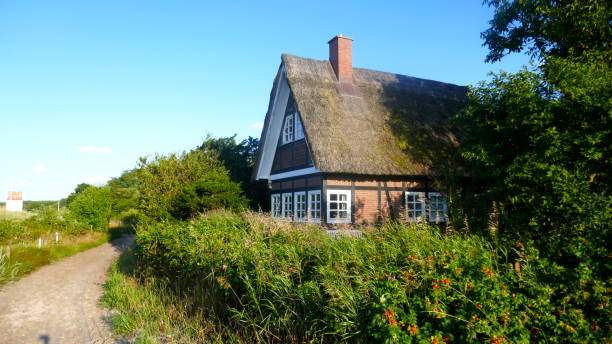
x,y
14,201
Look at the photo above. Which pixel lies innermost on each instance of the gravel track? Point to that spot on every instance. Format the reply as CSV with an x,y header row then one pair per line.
x,y
59,303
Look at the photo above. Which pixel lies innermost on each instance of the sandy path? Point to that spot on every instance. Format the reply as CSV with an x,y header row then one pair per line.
x,y
59,303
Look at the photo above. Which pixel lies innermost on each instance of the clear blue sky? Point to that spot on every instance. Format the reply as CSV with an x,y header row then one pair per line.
x,y
86,88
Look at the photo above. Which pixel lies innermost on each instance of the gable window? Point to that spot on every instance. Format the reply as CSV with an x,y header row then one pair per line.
x,y
299,129
415,206
437,207
339,206
300,206
287,207
288,134
276,205
292,129
314,206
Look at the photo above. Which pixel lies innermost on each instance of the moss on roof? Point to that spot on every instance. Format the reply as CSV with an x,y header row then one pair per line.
x,y
394,125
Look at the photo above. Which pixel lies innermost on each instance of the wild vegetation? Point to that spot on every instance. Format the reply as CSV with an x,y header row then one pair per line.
x,y
246,276
528,260
31,240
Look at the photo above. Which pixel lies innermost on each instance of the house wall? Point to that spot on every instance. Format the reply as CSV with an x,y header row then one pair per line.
x,y
300,183
373,199
376,199
291,156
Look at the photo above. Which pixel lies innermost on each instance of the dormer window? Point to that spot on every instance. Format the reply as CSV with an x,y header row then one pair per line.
x,y
293,129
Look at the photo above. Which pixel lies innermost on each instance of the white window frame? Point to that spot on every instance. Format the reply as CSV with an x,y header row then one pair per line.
x,y
273,211
299,128
310,205
418,198
433,211
287,206
289,129
297,210
347,193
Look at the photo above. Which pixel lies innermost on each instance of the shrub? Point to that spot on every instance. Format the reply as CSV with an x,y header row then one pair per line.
x,y
42,223
182,184
213,192
285,282
92,207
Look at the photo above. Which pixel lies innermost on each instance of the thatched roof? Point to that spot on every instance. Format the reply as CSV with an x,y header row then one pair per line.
x,y
392,125
383,124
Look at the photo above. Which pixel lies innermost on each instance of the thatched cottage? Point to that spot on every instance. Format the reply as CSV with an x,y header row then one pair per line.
x,y
351,145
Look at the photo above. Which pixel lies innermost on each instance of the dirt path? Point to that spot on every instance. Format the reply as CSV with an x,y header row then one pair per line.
x,y
59,303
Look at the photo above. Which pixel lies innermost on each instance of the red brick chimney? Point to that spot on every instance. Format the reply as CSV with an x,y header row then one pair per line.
x,y
341,57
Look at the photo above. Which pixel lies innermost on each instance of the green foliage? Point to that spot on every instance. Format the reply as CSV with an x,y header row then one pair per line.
x,y
77,191
239,159
188,181
92,206
124,194
568,28
213,192
39,205
538,141
283,282
8,271
40,224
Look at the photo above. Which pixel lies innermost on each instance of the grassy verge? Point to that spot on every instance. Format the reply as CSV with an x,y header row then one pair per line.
x,y
148,311
18,260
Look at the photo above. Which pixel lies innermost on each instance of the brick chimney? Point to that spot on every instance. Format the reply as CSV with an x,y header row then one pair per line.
x,y
341,57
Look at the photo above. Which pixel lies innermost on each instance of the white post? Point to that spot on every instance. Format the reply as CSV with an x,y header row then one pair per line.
x,y
56,237
39,242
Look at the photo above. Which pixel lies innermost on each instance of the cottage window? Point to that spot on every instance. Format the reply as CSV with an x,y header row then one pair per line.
x,y
276,206
288,206
415,206
300,206
314,206
288,134
299,129
437,207
338,206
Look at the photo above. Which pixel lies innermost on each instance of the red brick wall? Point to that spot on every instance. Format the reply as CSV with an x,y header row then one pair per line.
x,y
341,57
366,206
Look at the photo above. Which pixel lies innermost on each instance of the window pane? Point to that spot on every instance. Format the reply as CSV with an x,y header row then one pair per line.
x,y
333,205
333,197
343,197
343,214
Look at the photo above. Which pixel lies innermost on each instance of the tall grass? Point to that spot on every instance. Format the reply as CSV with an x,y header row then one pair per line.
x,y
246,277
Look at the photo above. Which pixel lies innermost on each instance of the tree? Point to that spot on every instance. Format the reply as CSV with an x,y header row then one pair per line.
x,y
538,141
562,28
78,190
125,196
239,159
163,179
92,206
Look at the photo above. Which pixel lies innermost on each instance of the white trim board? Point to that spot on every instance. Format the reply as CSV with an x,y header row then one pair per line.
x,y
274,128
294,173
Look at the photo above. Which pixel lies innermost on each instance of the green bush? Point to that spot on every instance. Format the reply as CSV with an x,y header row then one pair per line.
x,y
44,222
213,192
180,185
286,282
92,207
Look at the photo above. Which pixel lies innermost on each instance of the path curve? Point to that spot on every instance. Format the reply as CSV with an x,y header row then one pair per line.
x,y
59,303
